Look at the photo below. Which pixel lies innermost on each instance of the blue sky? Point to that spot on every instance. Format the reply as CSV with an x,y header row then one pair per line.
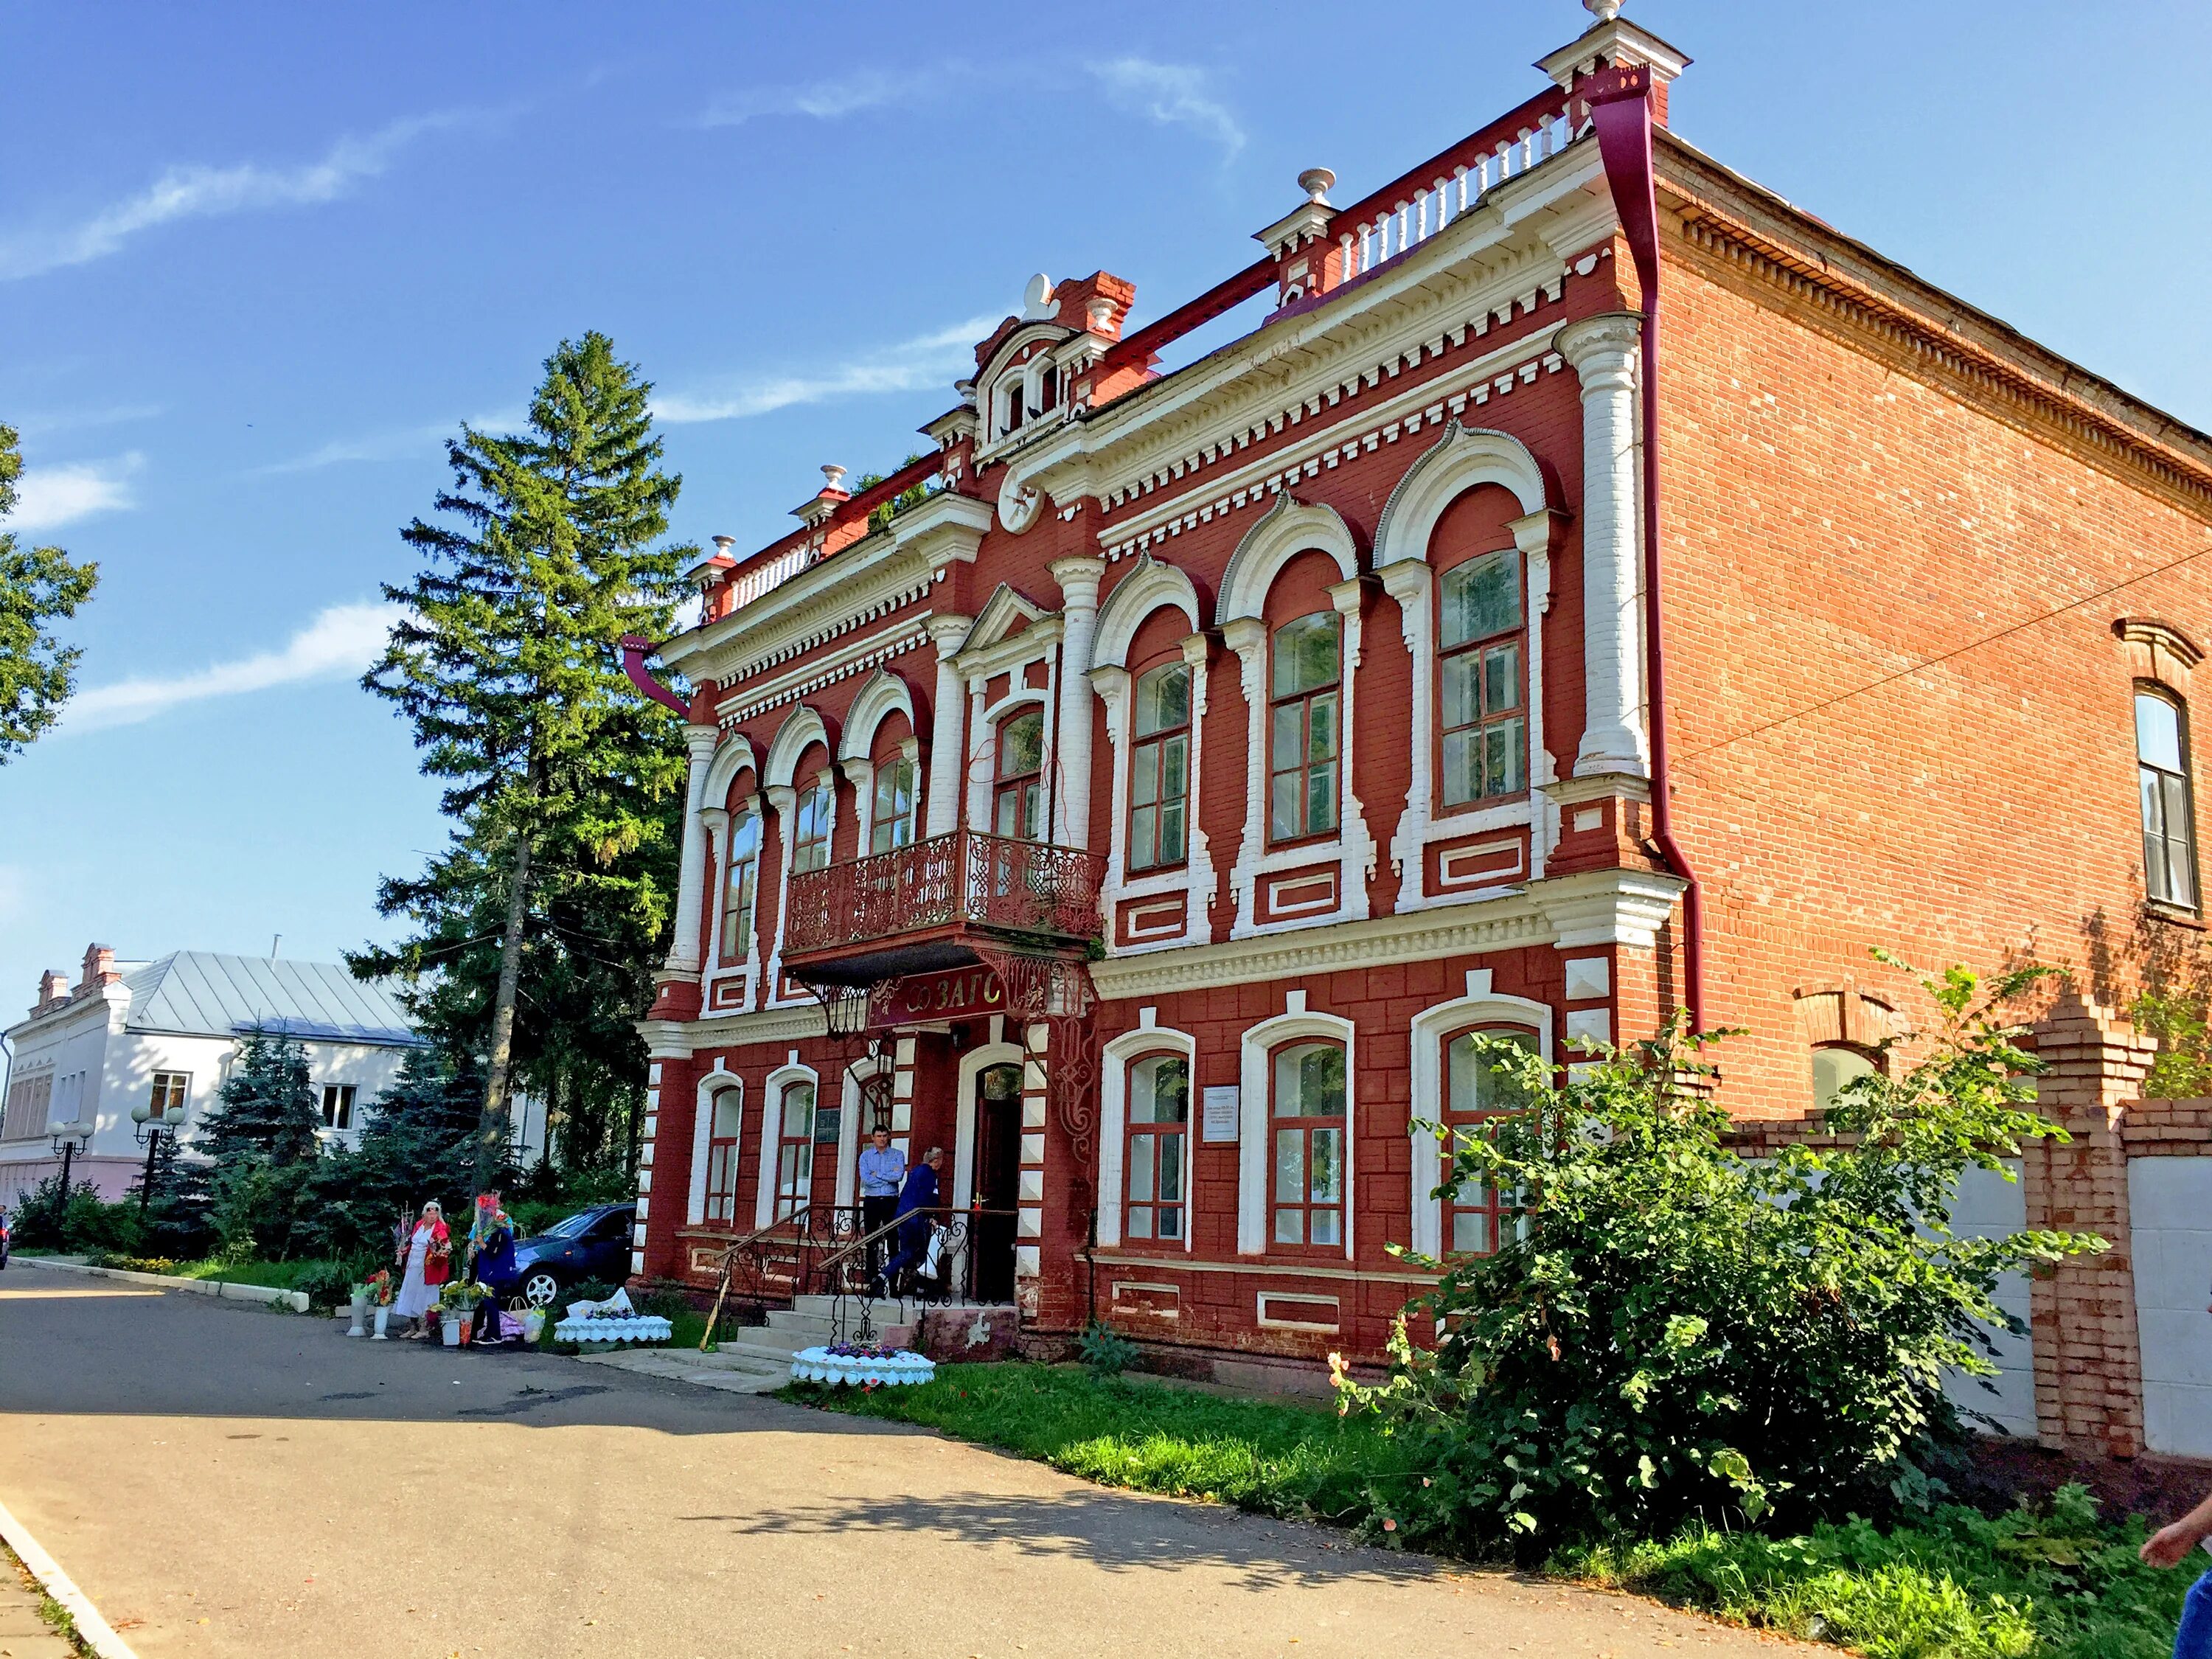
x,y
255,260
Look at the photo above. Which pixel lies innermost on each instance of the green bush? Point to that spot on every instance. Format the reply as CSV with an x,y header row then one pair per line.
x,y
1672,1332
330,1284
1105,1350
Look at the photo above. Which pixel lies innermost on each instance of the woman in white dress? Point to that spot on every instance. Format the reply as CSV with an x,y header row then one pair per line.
x,y
427,1253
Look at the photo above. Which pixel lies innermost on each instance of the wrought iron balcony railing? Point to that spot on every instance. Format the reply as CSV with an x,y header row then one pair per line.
x,y
943,884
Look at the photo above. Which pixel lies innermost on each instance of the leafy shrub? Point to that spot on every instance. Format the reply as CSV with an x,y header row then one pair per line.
x,y
1674,1332
1105,1350
671,1305
330,1284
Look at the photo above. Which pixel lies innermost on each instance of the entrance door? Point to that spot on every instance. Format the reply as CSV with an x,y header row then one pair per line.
x,y
997,1184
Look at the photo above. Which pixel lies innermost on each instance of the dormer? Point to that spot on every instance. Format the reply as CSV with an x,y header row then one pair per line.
x,y
1611,42
1031,366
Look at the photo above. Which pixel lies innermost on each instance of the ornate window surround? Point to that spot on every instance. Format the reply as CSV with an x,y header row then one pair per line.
x,y
1432,1028
1114,1060
702,1135
994,647
793,1070
803,728
1152,586
885,695
1256,1107
1287,529
733,756
1463,459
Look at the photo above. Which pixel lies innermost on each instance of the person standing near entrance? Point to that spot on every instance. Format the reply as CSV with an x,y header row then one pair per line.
x,y
424,1254
883,1169
915,1200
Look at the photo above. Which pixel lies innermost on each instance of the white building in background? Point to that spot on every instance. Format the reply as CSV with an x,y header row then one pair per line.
x,y
166,1033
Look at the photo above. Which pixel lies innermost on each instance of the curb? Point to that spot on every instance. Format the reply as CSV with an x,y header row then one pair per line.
x,y
92,1630
295,1301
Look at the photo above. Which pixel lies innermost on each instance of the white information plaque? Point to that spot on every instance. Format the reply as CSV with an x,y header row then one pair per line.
x,y
1221,1104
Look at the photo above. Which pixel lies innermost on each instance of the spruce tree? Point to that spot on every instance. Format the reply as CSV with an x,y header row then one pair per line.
x,y
37,585
565,784
266,1111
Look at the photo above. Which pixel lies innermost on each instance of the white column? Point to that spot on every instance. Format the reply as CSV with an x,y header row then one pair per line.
x,y
946,728
1604,351
1079,580
1248,637
784,802
691,874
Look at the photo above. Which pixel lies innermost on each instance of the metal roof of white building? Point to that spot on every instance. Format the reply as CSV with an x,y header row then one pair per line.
x,y
201,993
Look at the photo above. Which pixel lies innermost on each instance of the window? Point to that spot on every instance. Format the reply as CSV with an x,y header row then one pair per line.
x,y
338,1105
1309,1114
1159,1121
1486,725
1017,796
1303,747
794,1150
740,885
1834,1065
28,1101
1474,1089
810,837
722,1156
1159,779
170,1089
890,823
2169,833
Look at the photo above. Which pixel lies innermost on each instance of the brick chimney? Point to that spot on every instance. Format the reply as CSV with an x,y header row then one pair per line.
x,y
99,967
53,986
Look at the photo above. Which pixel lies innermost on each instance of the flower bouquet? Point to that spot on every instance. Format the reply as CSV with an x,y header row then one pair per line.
x,y
379,1288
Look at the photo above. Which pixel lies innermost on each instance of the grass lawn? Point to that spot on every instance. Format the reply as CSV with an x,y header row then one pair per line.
x,y
1957,1585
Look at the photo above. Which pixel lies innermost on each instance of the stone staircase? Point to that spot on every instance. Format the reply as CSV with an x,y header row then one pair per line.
x,y
757,1359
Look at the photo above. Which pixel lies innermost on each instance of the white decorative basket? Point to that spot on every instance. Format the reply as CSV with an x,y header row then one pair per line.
x,y
901,1370
638,1328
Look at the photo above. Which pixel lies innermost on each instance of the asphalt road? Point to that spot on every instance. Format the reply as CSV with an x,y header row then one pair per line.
x,y
226,1480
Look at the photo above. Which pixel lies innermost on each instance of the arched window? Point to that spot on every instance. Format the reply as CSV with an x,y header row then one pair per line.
x,y
2169,832
890,819
1834,1065
722,1157
1159,780
1303,741
1308,1109
1483,667
1018,794
1475,1089
741,885
794,1149
1158,1130
810,837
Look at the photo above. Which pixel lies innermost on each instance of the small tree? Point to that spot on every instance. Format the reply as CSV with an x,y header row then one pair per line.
x,y
36,585
1674,1329
266,1110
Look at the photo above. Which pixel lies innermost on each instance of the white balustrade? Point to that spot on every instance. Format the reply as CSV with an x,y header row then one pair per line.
x,y
1409,223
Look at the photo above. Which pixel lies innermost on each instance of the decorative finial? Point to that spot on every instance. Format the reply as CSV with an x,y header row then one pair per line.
x,y
1315,181
1037,299
1604,11
1101,314
833,476
724,543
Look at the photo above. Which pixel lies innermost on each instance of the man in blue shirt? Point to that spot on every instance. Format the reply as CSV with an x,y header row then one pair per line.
x,y
882,1171
916,1201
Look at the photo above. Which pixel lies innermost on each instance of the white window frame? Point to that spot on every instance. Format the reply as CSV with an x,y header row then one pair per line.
x,y
1114,1062
1255,1114
1432,1028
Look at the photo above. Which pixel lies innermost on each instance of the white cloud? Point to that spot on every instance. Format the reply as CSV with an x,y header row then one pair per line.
x,y
933,359
394,443
38,426
825,101
341,642
1174,95
196,192
49,497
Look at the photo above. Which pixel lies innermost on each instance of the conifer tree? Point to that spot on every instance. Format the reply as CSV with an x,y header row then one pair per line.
x,y
266,1110
564,783
37,585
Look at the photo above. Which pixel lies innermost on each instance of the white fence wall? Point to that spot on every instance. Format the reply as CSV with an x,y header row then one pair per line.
x,y
1989,1206
2170,1207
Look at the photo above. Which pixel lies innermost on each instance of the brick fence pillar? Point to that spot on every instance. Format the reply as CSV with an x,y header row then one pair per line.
x,y
2088,1363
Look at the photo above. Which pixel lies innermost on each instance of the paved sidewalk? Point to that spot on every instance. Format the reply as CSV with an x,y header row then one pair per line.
x,y
24,1633
225,1480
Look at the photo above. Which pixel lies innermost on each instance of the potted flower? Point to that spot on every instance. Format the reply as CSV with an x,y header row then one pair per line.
x,y
378,1287
457,1306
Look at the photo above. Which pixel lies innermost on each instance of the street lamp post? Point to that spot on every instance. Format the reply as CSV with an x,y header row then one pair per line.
x,y
68,1139
150,1124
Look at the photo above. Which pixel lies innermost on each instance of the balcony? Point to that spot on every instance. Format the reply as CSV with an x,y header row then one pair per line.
x,y
921,909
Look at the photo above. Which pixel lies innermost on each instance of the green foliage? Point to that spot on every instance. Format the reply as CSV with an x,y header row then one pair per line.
x,y
1104,1350
1676,1332
913,496
75,1222
174,1217
266,1110
564,779
38,585
330,1284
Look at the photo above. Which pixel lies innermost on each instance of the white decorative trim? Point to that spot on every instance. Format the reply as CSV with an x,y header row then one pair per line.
x,y
885,695
732,757
1288,528
973,1065
848,1123
1255,1141
702,1135
1195,877
1114,1062
801,727
1604,352
1429,1028
772,1128
1150,584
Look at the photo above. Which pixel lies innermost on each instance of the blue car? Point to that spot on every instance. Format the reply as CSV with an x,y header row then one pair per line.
x,y
592,1244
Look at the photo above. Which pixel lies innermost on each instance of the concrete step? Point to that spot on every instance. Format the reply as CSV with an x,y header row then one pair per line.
x,y
733,1373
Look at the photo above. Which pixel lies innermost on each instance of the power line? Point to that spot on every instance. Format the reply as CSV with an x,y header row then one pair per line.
x,y
1944,657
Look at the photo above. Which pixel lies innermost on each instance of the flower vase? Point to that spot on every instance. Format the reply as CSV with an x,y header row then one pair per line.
x,y
383,1317
359,1312
449,1329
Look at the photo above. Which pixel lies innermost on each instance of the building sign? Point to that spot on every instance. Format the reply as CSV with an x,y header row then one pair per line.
x,y
924,999
1221,1111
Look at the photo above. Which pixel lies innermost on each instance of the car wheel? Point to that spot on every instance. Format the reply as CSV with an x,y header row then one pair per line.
x,y
539,1288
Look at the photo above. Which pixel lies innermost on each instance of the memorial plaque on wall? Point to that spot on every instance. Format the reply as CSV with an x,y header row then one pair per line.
x,y
1221,1107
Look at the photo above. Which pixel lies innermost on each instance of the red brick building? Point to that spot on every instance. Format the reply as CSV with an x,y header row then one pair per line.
x,y
1203,754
